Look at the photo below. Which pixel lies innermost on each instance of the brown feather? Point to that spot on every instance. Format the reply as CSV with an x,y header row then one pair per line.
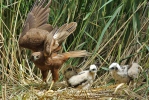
x,y
72,54
36,27
59,36
47,27
34,39
64,31
59,59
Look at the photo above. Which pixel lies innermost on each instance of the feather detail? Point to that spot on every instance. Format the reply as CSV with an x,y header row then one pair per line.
x,y
59,35
36,27
73,54
38,16
64,31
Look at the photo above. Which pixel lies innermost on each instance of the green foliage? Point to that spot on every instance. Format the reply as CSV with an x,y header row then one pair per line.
x,y
112,30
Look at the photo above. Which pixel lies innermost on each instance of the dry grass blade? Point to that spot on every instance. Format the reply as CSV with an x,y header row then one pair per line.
x,y
1,40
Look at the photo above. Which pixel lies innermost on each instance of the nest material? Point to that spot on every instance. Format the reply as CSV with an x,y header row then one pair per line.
x,y
31,90
119,91
28,92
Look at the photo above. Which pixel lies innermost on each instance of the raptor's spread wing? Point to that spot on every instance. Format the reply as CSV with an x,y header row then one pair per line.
x,y
36,26
38,17
59,35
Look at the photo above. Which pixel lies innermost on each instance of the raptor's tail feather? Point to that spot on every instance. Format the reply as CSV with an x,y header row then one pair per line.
x,y
79,53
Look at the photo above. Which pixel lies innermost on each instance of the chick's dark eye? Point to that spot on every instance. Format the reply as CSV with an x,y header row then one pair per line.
x,y
112,68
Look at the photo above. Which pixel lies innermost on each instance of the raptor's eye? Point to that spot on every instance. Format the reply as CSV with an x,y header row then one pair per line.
x,y
37,56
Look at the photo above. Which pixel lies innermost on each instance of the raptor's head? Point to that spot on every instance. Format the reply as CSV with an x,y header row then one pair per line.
x,y
35,56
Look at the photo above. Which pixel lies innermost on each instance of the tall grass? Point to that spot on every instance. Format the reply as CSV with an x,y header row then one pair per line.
x,y
113,30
